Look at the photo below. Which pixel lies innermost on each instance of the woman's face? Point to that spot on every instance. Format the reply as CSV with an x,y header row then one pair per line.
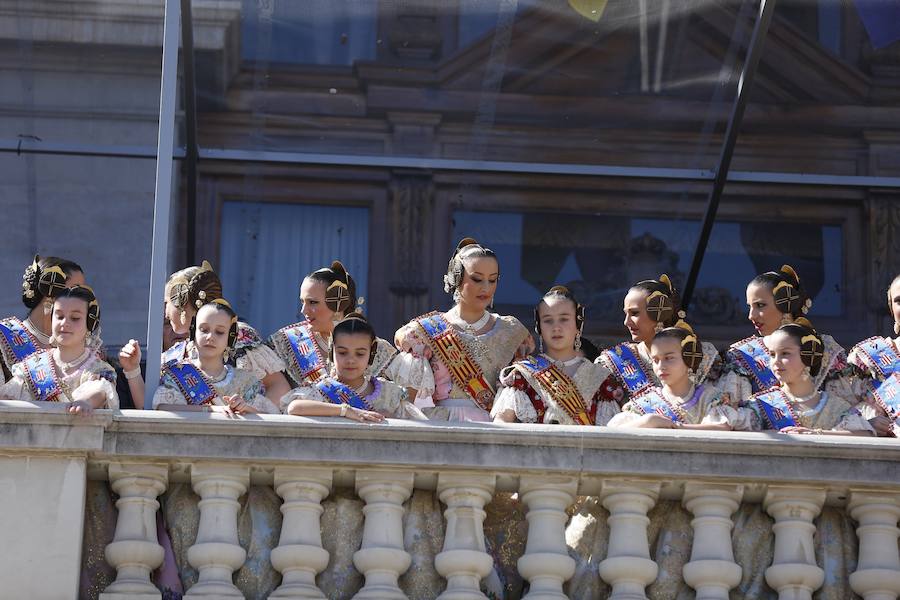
x,y
558,325
69,325
181,326
764,315
211,336
668,363
315,311
638,322
784,357
479,282
351,355
894,299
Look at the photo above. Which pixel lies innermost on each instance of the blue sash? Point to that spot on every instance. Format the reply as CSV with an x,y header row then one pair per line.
x,y
628,367
887,395
752,354
880,356
306,353
16,341
773,405
175,354
42,377
192,383
652,401
338,393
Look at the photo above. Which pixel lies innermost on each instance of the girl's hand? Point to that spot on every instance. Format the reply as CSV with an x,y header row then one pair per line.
x,y
659,422
364,416
526,348
238,406
882,425
80,407
130,356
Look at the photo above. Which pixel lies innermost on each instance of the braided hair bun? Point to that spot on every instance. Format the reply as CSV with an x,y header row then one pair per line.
x,y
46,278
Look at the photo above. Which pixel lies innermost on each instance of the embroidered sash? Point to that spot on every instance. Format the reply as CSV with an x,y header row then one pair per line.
x,y
175,354
651,400
629,368
880,356
557,386
775,407
192,383
42,377
16,341
338,393
464,370
887,395
752,354
305,352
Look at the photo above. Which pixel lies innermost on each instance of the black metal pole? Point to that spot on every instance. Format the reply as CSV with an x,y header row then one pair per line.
x,y
745,84
190,126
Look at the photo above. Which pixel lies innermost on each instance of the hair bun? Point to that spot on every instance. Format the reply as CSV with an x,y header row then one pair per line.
x,y
664,279
804,322
355,315
558,289
790,272
466,241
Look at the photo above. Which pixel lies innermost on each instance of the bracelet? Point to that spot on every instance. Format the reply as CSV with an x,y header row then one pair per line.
x,y
343,410
133,374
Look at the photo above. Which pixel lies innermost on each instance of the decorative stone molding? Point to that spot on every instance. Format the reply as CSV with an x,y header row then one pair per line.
x,y
712,570
794,573
878,572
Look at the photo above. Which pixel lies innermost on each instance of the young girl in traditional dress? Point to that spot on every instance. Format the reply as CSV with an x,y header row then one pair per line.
x,y
559,385
186,292
453,358
351,391
776,298
680,402
44,278
650,306
327,296
71,371
796,404
205,382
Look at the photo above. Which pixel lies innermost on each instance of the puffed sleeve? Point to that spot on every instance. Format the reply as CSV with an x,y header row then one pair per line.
x,y
15,388
253,355
168,392
411,367
628,415
721,411
736,385
99,377
301,393
853,420
512,396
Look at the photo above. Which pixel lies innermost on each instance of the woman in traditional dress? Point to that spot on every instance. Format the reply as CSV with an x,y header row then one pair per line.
x,y
453,359
44,278
186,292
649,306
71,371
679,402
776,298
351,391
796,404
327,296
206,382
559,385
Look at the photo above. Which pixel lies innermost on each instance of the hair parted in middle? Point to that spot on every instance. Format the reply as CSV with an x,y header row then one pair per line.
x,y
812,347
222,305
466,249
691,348
86,293
354,323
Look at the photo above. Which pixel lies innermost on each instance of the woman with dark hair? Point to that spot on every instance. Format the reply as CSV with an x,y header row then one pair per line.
x,y
453,359
649,306
559,385
43,280
776,298
328,295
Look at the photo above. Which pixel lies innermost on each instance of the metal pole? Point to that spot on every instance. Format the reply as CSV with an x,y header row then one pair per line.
x,y
190,124
745,83
163,198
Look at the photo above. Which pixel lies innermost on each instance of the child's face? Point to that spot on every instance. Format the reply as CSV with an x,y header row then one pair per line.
x,y
351,355
784,357
315,311
638,322
211,336
668,363
558,325
69,324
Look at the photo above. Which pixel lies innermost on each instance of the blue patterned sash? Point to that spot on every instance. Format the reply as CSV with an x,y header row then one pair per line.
x,y
15,341
338,393
628,367
42,377
752,354
887,395
775,407
193,385
305,351
880,356
652,401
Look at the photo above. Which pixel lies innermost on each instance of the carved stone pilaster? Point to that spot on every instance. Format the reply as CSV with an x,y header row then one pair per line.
x,y
883,212
412,203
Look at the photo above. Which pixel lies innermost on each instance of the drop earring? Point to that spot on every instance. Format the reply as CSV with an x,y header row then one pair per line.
x,y
807,375
658,327
578,341
541,344
48,307
786,319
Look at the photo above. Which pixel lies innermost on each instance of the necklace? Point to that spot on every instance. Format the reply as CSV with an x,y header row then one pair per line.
x,y
72,365
42,337
564,363
799,399
471,328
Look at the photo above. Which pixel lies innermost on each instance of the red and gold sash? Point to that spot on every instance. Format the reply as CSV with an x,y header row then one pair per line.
x,y
557,386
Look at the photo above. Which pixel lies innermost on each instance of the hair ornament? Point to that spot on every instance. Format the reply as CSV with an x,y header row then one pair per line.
x,y
660,306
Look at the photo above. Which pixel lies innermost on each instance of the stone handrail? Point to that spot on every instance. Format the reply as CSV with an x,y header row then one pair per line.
x,y
46,456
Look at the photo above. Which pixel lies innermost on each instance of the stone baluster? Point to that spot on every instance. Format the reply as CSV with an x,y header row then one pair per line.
x,y
712,570
299,556
134,551
794,573
877,576
627,567
463,560
382,558
546,563
216,553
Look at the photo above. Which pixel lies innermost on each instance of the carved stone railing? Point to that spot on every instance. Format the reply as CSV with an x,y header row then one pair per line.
x,y
48,457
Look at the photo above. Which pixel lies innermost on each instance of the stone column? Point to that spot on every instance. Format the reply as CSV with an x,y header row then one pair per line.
x,y
463,561
382,558
794,573
627,567
299,556
712,570
134,551
216,554
546,563
877,576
